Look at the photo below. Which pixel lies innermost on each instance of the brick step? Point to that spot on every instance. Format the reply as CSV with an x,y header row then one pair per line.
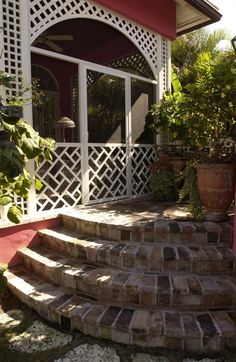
x,y
139,289
159,231
141,256
200,332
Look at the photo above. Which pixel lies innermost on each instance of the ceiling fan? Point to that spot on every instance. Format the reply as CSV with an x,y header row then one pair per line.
x,y
49,40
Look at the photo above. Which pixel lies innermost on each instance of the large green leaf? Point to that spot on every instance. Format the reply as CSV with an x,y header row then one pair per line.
x,y
10,119
15,214
5,200
177,87
6,79
11,159
22,187
38,185
49,143
30,147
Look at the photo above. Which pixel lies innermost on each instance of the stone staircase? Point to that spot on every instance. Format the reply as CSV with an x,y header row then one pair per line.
x,y
162,283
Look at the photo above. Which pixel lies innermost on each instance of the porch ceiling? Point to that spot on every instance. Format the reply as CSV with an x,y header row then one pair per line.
x,y
92,41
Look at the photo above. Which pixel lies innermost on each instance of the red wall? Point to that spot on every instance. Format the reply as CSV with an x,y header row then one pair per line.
x,y
15,237
158,15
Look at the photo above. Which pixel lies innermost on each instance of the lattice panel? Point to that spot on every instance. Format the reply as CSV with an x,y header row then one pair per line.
x,y
46,13
61,179
165,63
134,63
12,40
142,157
107,172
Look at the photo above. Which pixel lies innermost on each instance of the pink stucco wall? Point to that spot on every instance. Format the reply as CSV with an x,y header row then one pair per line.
x,y
15,237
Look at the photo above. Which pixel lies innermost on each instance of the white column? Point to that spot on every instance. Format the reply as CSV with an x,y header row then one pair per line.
x,y
83,117
128,121
26,76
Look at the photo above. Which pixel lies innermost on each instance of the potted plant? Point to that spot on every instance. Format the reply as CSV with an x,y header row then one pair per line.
x,y
163,182
203,117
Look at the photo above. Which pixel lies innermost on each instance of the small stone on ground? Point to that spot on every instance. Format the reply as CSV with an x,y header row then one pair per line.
x,y
142,357
11,319
90,353
38,337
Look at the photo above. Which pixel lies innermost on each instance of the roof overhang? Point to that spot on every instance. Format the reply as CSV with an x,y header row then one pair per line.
x,y
194,14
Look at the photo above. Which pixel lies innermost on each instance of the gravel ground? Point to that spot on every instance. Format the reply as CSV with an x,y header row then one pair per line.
x,y
39,337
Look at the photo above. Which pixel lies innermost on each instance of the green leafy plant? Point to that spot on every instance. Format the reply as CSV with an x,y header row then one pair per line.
x,y
190,190
203,114
19,142
3,280
163,185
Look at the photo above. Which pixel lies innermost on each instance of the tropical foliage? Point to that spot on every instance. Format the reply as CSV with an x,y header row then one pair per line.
x,y
204,112
19,142
186,49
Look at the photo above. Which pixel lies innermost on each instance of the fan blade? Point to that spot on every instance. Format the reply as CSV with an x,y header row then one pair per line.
x,y
54,46
59,37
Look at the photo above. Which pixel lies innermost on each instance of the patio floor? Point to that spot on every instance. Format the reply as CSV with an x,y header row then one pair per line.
x,y
132,211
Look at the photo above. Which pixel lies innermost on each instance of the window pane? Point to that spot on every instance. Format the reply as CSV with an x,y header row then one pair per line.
x,y
106,108
142,97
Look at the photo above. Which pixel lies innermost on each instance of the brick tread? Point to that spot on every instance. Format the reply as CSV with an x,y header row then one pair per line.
x,y
199,331
134,288
163,231
142,256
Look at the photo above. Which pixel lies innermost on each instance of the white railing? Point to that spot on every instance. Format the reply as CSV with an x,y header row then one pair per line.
x,y
61,179
114,172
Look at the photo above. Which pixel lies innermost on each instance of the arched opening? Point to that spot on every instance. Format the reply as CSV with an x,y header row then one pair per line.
x,y
95,42
98,43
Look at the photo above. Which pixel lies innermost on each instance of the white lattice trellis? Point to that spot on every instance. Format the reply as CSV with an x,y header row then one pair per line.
x,y
165,58
142,157
107,172
61,179
12,39
47,13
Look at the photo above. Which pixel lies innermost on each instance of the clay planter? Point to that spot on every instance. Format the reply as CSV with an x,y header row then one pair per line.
x,y
216,183
177,163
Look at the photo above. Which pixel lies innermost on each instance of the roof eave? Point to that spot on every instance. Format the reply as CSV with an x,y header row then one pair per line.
x,y
207,10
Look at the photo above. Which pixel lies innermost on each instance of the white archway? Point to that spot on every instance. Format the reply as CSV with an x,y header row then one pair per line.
x,y
44,15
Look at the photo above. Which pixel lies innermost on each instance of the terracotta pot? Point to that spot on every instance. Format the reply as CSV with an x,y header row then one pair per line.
x,y
216,183
177,163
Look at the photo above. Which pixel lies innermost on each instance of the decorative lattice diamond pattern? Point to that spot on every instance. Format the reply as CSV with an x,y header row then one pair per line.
x,y
46,13
12,40
134,63
107,172
61,179
142,157
165,63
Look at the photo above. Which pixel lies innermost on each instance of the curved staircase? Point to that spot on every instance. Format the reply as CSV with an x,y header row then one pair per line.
x,y
162,283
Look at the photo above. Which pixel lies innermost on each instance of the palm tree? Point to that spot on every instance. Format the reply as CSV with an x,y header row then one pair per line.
x,y
187,48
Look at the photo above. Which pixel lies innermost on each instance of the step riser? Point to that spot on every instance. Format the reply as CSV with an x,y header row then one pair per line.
x,y
192,332
139,290
148,259
158,232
